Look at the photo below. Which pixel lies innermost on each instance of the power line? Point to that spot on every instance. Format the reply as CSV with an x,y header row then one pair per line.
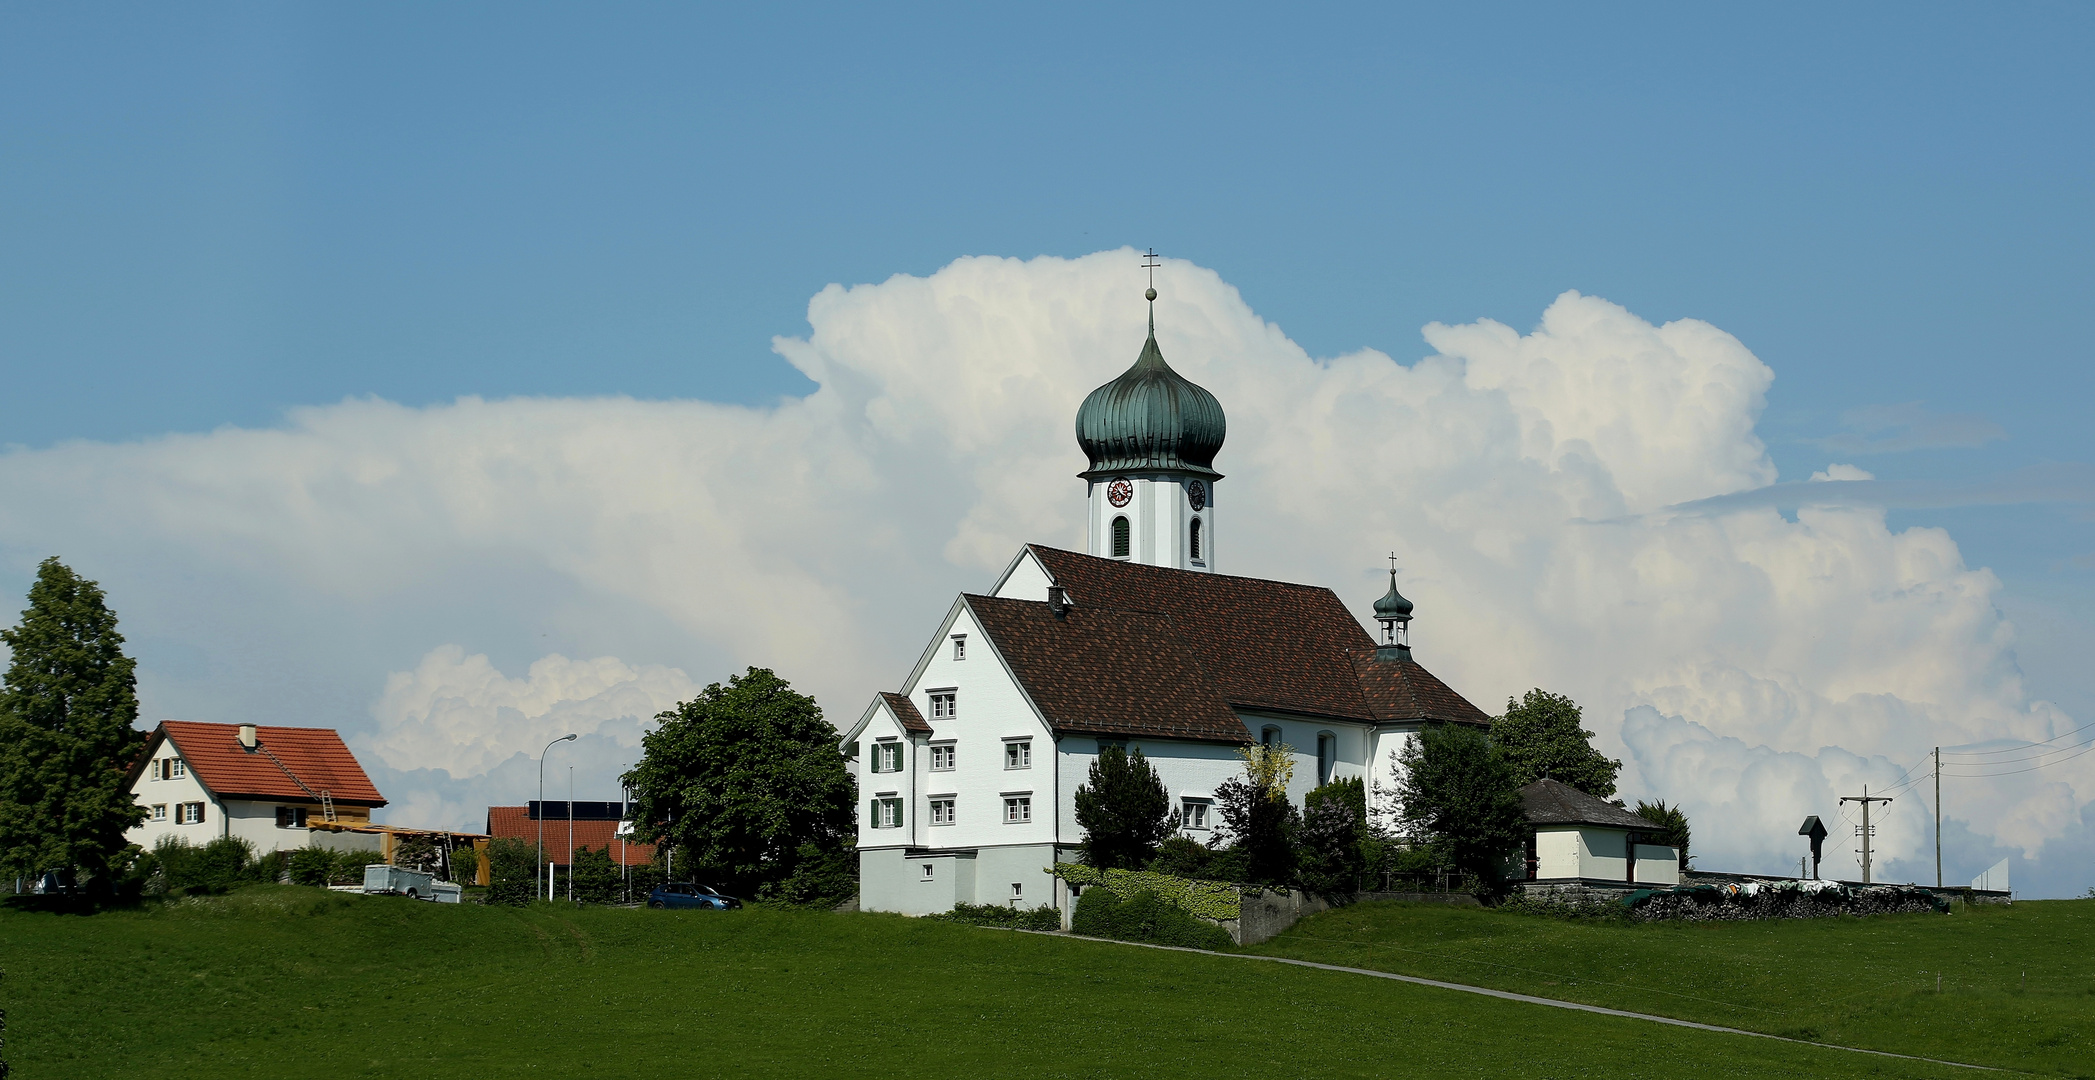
x,y
2017,772
2024,746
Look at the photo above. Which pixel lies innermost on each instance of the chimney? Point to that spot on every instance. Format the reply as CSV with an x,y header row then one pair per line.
x,y
247,737
1058,601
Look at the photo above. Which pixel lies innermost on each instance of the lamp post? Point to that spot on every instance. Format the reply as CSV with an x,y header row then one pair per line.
x,y
542,809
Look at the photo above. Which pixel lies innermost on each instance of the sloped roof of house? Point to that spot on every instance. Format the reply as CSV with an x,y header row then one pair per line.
x,y
905,711
1553,802
284,757
1149,650
516,821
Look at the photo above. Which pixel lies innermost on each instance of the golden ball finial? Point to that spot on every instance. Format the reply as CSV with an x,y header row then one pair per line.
x,y
1150,294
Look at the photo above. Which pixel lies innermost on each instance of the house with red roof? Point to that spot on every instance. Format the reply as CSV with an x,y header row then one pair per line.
x,y
968,772
565,826
276,787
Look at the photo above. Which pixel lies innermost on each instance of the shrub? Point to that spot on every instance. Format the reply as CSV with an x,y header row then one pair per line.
x,y
1145,917
1206,899
820,878
211,868
348,868
1017,918
596,877
1184,857
311,865
1332,827
1258,816
512,859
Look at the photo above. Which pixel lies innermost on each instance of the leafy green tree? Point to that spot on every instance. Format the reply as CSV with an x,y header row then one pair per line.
x,y
1670,826
1333,826
1542,738
66,735
596,875
1458,794
1260,819
1124,810
747,783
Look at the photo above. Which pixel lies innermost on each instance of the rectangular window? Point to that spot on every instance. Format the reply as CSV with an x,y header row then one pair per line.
x,y
887,813
290,817
159,811
1018,810
942,704
1018,755
1194,814
959,646
942,757
887,756
929,873
942,811
1018,891
189,813
172,769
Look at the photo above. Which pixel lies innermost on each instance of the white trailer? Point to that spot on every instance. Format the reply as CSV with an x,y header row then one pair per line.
x,y
383,880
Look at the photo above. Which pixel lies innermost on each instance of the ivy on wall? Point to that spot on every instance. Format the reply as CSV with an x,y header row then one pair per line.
x,y
1206,899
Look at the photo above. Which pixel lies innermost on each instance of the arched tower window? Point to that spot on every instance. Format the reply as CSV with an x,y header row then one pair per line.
x,y
1122,545
1195,547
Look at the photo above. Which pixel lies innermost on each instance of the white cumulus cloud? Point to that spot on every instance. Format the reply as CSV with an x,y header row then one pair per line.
x,y
378,567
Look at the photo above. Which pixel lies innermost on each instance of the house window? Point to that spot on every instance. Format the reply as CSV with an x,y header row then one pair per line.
x,y
290,817
942,757
1018,754
1122,545
170,769
943,704
1194,541
1018,891
887,813
1018,810
1327,756
942,811
959,646
189,813
159,811
1194,814
929,873
887,756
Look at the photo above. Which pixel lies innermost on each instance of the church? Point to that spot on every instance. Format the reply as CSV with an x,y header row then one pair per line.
x,y
968,772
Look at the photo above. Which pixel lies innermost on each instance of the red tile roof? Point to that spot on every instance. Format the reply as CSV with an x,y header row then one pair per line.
x,y
906,711
316,756
1149,650
1100,671
516,821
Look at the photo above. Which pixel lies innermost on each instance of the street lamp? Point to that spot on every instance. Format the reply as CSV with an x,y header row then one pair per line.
x,y
542,808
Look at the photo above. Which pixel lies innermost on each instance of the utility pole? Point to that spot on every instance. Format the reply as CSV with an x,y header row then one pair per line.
x,y
1864,830
1938,817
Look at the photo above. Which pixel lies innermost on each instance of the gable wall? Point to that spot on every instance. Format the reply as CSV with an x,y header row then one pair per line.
x,y
990,709
171,793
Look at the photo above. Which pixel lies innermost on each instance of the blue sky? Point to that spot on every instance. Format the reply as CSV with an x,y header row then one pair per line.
x,y
211,214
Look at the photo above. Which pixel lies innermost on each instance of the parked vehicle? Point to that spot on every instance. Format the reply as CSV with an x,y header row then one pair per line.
x,y
383,880
690,894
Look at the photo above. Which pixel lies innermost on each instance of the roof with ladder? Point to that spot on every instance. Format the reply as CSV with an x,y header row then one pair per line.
x,y
288,763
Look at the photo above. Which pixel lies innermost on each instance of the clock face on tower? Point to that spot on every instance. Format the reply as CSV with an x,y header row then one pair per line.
x,y
1119,492
1197,494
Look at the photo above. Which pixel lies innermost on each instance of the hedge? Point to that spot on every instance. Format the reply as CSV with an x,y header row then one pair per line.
x,y
1206,899
1145,917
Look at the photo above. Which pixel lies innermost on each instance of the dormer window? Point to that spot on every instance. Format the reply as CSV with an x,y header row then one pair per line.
x,y
1123,545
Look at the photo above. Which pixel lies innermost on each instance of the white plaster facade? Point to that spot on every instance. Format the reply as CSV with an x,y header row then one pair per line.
x,y
168,784
1595,853
1160,516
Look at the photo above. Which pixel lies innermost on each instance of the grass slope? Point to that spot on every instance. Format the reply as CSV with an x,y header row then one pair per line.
x,y
279,981
1855,982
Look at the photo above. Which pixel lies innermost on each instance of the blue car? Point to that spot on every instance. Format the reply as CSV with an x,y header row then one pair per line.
x,y
687,894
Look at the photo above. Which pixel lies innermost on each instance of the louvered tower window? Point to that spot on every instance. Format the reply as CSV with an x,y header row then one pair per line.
x,y
1196,538
1122,546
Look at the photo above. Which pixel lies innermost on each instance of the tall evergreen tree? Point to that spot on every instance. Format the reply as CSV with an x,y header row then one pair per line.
x,y
66,735
746,782
1541,737
1124,810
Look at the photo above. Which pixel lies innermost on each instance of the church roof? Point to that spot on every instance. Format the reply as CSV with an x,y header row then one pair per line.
x,y
906,712
1158,651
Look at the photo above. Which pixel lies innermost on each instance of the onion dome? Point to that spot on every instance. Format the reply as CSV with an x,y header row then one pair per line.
x,y
1393,607
1151,417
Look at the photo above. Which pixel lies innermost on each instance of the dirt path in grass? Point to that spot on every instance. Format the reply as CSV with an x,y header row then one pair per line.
x,y
1531,999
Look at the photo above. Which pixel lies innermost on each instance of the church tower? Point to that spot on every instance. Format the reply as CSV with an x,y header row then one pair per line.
x,y
1151,436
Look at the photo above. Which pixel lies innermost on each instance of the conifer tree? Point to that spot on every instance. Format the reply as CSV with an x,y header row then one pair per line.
x,y
66,737
1124,810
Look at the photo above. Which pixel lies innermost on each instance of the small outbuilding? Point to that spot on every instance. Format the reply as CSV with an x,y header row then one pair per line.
x,y
1576,839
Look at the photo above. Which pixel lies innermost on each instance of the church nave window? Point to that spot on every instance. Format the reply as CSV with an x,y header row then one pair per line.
x,y
1193,814
1194,540
1327,756
942,757
1123,546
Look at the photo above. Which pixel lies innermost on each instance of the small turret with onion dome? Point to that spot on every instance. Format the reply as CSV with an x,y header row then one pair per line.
x,y
1150,437
1394,613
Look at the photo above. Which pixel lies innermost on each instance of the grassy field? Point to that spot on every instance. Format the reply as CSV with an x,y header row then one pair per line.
x,y
281,981
2017,983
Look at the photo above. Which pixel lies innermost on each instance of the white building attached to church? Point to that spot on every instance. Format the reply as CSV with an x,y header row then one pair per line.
x,y
967,774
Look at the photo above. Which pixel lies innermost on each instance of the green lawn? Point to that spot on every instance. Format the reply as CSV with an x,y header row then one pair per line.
x,y
280,981
1857,982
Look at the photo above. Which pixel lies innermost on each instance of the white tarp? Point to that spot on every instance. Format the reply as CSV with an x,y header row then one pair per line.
x,y
1995,879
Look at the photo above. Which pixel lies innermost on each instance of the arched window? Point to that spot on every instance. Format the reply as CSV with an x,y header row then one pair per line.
x,y
1196,538
1122,546
1270,737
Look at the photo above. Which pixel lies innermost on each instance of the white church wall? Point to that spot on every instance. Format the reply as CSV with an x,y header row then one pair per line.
x,y
1160,516
1188,770
1384,775
990,713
